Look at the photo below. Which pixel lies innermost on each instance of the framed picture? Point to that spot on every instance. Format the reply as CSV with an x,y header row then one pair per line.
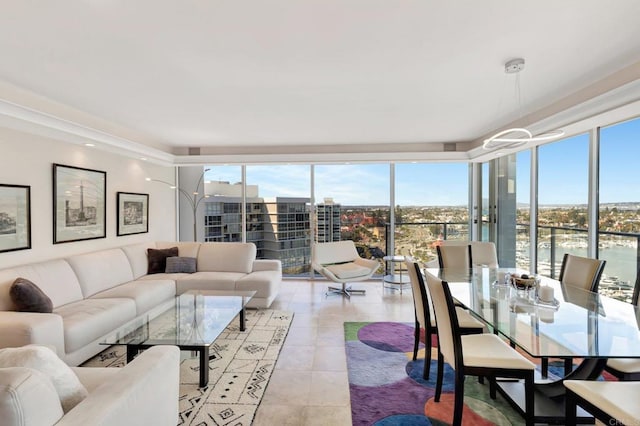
x,y
79,207
15,217
133,213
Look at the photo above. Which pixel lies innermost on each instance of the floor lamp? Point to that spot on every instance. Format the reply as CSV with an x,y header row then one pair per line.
x,y
194,198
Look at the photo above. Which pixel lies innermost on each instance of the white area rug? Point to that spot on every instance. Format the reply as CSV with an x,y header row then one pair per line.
x,y
238,374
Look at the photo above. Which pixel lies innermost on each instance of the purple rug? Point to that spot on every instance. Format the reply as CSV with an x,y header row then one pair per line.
x,y
387,387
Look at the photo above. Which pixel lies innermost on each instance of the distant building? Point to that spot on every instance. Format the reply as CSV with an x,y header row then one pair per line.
x,y
279,227
328,221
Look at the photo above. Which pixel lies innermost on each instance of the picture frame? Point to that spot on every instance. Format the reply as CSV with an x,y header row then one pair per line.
x,y
15,217
79,204
132,213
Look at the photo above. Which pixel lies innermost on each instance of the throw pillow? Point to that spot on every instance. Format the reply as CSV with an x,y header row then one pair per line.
x,y
181,264
157,259
41,358
28,297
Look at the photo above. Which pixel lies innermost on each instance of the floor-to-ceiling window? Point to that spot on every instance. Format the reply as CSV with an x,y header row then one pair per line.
x,y
485,202
359,195
563,187
523,209
431,205
278,211
223,205
619,207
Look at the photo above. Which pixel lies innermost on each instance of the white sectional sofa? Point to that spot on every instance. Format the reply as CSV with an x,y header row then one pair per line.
x,y
95,293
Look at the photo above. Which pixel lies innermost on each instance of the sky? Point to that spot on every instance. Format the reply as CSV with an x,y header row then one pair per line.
x,y
358,184
563,176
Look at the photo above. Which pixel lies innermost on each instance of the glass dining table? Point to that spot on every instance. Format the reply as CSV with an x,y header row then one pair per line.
x,y
575,323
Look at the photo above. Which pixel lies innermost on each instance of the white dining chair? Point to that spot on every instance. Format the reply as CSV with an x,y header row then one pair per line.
x,y
454,256
483,253
425,318
627,368
583,273
475,354
613,403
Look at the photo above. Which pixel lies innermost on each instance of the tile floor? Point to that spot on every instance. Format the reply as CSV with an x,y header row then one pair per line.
x,y
309,385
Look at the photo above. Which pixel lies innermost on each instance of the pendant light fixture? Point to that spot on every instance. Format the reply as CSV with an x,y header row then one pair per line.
x,y
517,136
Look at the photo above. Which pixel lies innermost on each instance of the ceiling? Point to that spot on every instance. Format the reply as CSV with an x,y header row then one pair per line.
x,y
282,76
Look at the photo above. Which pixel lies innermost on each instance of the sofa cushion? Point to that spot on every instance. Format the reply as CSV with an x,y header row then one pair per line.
x,y
147,294
55,278
226,257
41,358
28,397
137,255
156,277
208,281
185,249
101,270
28,297
158,259
91,319
265,283
178,264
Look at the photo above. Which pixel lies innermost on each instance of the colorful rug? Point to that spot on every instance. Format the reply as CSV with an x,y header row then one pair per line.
x,y
238,374
387,387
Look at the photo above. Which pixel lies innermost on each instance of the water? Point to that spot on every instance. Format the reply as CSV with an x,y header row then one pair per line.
x,y
621,261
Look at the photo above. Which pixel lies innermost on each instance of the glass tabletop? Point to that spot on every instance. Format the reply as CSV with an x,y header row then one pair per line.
x,y
194,318
578,323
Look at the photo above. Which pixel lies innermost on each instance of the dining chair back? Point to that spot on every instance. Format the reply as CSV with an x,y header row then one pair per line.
x,y
422,310
627,369
454,256
425,317
483,253
582,272
483,355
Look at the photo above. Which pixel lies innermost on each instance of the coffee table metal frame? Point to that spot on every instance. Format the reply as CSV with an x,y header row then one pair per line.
x,y
135,343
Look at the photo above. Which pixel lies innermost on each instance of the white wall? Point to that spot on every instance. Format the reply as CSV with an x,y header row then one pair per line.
x,y
27,159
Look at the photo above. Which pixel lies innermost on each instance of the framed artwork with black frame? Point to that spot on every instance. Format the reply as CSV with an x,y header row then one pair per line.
x,y
133,213
15,217
79,204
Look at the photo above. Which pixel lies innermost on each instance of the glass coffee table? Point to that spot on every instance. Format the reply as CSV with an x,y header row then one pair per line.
x,y
192,321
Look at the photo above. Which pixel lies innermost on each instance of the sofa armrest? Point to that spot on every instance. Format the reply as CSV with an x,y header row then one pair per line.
x,y
266,265
145,392
25,328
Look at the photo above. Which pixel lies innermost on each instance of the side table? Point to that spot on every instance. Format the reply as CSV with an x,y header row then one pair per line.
x,y
392,280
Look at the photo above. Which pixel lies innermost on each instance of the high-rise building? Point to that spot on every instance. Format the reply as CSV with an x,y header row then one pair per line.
x,y
328,221
279,226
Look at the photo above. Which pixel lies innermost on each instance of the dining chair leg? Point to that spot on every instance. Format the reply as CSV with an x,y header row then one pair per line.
x,y
570,407
458,398
492,387
427,354
439,376
416,341
529,398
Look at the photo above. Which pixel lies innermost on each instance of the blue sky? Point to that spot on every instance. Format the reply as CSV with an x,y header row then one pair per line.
x,y
358,184
563,176
563,168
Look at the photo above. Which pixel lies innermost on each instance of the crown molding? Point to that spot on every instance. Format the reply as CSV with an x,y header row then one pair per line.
x,y
26,119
